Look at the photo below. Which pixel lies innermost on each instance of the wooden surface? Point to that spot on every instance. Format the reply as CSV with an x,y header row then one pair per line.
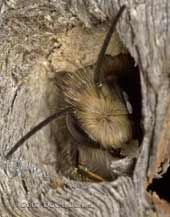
x,y
31,35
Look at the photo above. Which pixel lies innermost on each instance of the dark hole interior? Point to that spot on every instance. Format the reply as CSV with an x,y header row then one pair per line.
x,y
132,86
161,186
127,76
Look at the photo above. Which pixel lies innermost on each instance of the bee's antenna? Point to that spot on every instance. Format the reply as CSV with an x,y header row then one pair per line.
x,y
37,128
98,75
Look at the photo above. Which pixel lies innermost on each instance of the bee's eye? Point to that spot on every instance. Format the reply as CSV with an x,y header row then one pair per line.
x,y
77,132
74,129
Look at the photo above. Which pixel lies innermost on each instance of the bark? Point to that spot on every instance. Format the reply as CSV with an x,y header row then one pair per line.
x,y
39,39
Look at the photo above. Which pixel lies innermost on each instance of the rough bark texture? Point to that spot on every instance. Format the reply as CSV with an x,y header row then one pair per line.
x,y
37,39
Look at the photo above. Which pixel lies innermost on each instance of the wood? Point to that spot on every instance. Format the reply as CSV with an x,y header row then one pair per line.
x,y
36,42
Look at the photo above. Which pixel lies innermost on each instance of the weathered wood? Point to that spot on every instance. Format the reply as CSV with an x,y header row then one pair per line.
x,y
39,39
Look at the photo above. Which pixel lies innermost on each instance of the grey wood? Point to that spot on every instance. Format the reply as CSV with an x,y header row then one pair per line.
x,y
30,32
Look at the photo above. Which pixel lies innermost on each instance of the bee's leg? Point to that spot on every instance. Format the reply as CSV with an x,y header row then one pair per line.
x,y
95,164
81,172
90,175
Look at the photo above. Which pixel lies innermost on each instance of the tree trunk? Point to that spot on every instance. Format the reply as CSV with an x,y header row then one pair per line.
x,y
39,38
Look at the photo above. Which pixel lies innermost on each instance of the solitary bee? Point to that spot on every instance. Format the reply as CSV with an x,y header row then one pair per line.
x,y
95,117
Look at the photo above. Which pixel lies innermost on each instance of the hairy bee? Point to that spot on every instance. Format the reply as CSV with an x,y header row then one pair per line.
x,y
100,122
102,114
95,117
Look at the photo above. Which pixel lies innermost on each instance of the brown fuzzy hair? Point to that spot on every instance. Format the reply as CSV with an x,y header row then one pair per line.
x,y
104,117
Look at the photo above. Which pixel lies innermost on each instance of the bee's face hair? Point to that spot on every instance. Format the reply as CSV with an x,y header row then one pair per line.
x,y
103,117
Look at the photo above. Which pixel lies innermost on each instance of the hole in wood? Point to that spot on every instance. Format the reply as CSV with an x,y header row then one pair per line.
x,y
78,146
161,186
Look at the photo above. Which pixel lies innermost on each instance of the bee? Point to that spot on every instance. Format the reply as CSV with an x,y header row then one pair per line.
x,y
93,113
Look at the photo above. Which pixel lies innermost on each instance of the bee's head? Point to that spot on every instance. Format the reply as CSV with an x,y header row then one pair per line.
x,y
101,114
